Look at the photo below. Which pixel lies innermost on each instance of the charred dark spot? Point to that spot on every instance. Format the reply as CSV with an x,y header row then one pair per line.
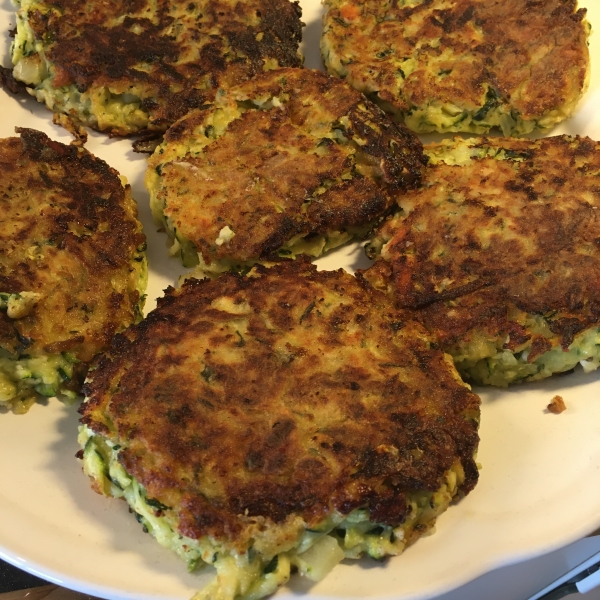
x,y
567,328
408,420
280,432
180,416
254,460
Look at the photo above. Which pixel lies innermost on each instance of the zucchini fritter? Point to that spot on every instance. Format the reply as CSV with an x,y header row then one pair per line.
x,y
72,265
462,65
286,418
126,67
498,254
293,162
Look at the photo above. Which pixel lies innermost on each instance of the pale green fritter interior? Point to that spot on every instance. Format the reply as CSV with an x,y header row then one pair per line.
x,y
266,565
314,246
23,377
484,361
440,117
448,117
98,108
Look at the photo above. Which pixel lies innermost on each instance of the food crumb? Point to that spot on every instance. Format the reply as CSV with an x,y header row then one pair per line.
x,y
557,405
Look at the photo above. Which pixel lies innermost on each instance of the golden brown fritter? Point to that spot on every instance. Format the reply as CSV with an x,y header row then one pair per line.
x,y
293,162
256,409
462,65
498,254
128,66
72,266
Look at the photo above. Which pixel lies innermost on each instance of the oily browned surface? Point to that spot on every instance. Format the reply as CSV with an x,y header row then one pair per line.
x,y
532,53
68,231
264,176
494,240
292,392
174,55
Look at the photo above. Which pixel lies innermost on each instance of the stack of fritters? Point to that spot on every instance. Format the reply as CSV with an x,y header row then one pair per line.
x,y
462,65
286,418
72,265
292,162
125,67
498,255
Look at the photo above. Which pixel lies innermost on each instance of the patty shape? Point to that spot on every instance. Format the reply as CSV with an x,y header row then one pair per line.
x,y
289,417
126,67
498,254
293,162
72,265
462,65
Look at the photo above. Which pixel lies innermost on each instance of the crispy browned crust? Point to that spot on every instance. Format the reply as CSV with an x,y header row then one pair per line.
x,y
69,232
532,54
264,177
8,82
493,241
557,405
289,392
184,52
78,132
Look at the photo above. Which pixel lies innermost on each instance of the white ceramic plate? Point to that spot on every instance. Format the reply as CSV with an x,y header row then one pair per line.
x,y
539,487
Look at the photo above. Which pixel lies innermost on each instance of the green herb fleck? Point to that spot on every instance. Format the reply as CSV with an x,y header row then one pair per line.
x,y
307,312
45,390
154,503
375,531
384,53
208,374
491,101
272,566
242,341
